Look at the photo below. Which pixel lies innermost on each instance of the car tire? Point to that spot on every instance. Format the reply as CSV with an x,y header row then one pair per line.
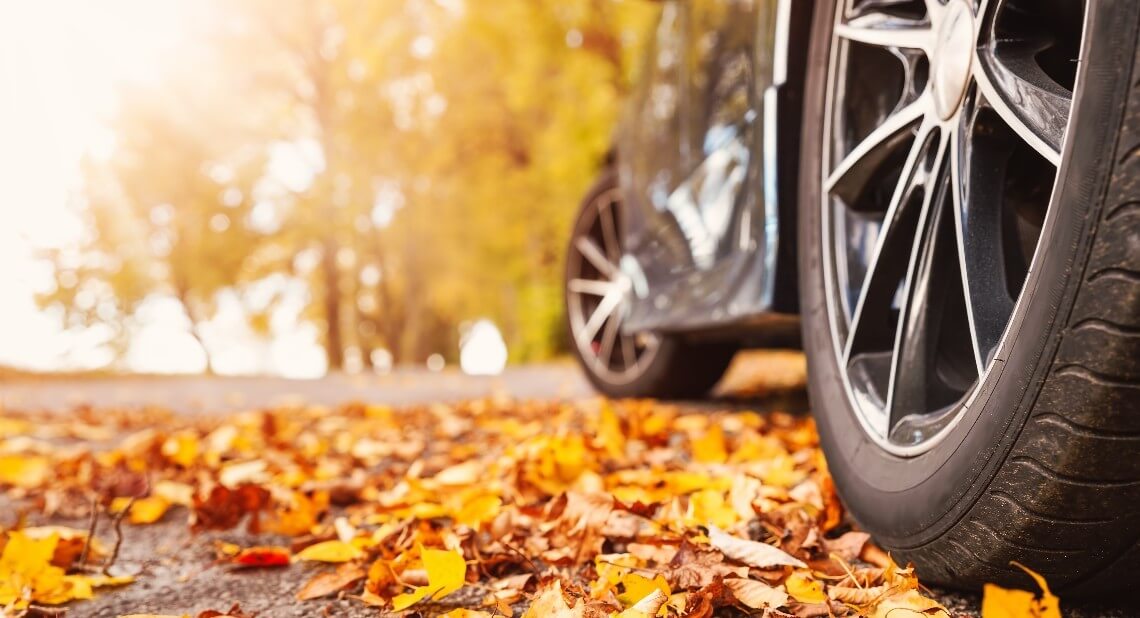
x,y
1044,466
675,368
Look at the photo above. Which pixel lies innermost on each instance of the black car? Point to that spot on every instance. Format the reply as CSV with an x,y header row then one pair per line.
x,y
940,201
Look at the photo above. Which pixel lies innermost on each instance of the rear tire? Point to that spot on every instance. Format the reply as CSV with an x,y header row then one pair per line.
x,y
666,366
1042,467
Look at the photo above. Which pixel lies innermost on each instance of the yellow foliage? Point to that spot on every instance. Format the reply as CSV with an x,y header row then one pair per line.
x,y
446,573
998,602
331,551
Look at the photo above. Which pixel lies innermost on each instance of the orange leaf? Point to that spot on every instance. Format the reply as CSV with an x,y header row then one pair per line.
x,y
262,556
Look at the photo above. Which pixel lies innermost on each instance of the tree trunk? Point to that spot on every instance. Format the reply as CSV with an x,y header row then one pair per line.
x,y
334,339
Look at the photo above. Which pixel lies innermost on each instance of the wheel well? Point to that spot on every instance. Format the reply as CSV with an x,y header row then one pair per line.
x,y
789,123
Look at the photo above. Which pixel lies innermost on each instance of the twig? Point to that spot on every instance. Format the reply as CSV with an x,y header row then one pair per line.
x,y
533,566
90,531
118,523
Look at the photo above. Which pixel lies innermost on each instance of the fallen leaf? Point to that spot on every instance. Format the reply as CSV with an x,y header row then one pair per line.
x,y
328,583
550,603
710,448
804,589
638,587
756,594
998,602
446,573
24,470
648,606
330,551
752,553
261,556
911,603
143,510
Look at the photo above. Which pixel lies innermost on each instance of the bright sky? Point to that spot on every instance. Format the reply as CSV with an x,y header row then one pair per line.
x,y
60,64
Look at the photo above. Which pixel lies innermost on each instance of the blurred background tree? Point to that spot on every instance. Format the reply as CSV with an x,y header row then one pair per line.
x,y
411,165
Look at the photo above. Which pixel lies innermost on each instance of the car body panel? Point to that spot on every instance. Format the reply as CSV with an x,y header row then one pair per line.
x,y
704,168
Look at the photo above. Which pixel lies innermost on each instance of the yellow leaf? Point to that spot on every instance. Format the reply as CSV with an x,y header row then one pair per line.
x,y
446,573
143,510
181,448
549,603
637,587
481,509
331,551
610,436
709,506
710,448
24,470
998,602
652,604
466,613
26,572
805,589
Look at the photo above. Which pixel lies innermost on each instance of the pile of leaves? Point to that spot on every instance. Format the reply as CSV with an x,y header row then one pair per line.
x,y
486,508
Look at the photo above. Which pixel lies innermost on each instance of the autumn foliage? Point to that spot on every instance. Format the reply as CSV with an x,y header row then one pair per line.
x,y
484,508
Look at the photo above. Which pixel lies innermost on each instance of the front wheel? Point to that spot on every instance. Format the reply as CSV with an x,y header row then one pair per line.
x,y
620,364
970,281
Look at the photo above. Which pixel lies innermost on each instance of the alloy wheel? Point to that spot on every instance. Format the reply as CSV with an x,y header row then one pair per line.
x,y
945,124
598,296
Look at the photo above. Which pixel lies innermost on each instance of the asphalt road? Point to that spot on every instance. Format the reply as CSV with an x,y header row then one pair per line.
x,y
176,583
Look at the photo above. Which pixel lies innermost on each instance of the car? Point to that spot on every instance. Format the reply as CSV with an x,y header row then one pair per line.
x,y
939,201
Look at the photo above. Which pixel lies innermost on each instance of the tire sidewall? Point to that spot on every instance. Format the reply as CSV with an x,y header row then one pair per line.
x,y
908,502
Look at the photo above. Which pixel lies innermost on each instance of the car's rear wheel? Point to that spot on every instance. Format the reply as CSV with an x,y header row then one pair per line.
x,y
597,294
970,277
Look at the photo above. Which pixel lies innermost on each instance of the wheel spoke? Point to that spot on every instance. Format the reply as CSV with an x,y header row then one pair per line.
x,y
589,250
923,301
881,280
1028,100
977,204
628,351
606,307
593,287
609,335
885,30
857,168
607,214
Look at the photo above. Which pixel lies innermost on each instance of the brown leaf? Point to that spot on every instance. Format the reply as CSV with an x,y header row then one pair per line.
x,y
752,553
224,508
328,583
847,547
757,595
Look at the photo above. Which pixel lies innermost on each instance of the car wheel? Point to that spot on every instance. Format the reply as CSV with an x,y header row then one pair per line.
x,y
970,281
597,294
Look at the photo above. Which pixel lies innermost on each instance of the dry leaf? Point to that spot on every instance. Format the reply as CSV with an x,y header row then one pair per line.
x,y
446,573
999,602
549,603
911,603
752,553
330,551
263,556
804,589
328,583
755,594
648,606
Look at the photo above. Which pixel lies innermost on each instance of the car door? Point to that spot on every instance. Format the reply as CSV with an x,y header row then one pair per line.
x,y
690,164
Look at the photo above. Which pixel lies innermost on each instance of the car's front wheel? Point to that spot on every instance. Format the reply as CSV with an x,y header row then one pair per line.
x,y
970,280
597,294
